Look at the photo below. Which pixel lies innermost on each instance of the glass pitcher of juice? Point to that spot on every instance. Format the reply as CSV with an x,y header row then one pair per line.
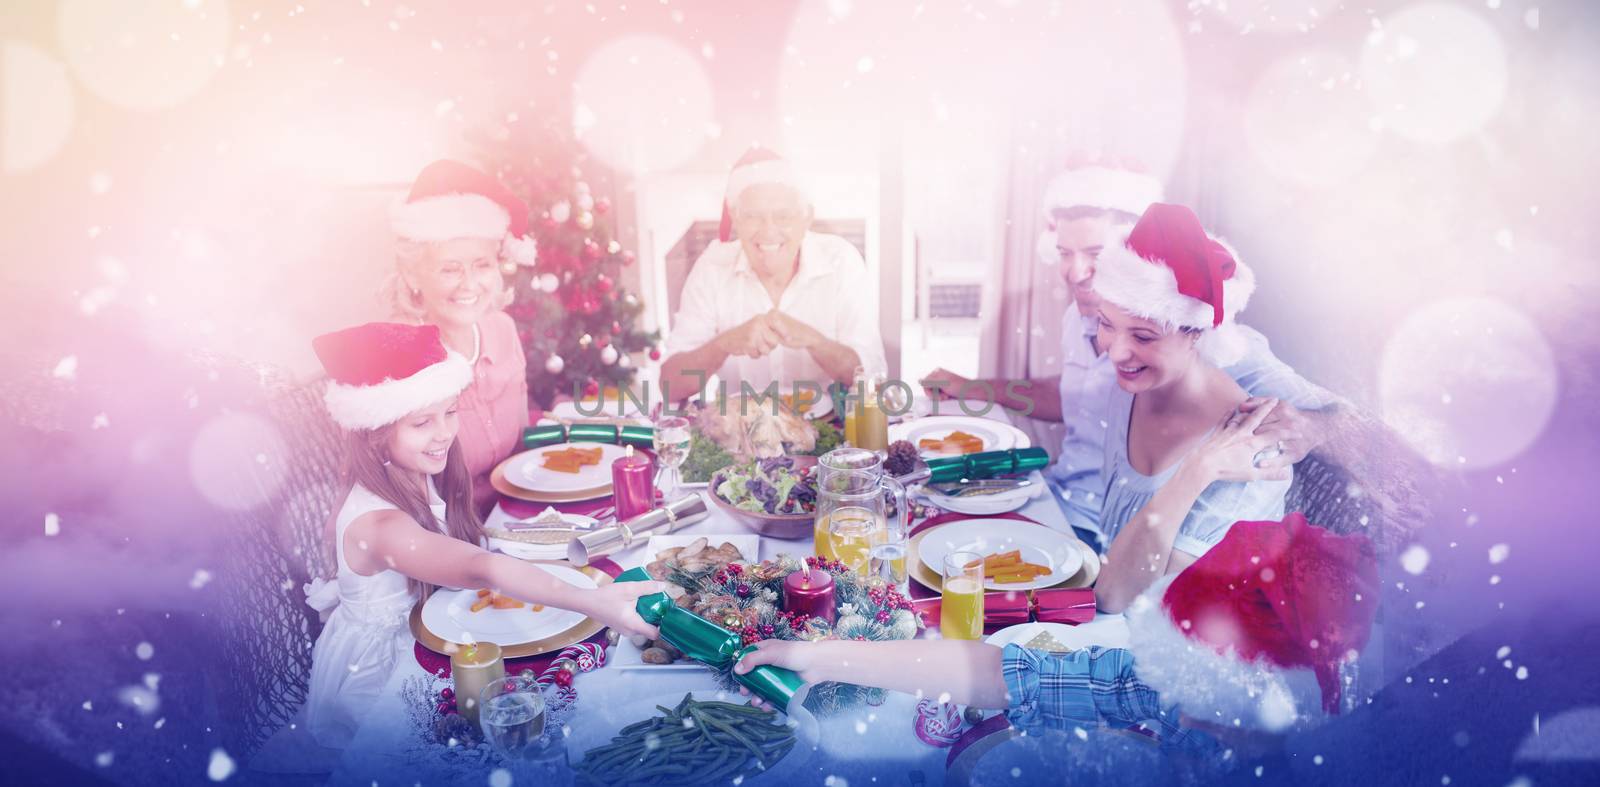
x,y
853,515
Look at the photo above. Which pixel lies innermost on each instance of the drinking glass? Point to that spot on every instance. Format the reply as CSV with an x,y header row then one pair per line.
x,y
672,448
853,532
512,713
961,598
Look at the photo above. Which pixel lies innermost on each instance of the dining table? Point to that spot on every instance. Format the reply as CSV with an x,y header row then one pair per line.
x,y
860,745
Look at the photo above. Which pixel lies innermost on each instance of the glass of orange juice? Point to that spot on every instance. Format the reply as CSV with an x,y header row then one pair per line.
x,y
961,599
853,532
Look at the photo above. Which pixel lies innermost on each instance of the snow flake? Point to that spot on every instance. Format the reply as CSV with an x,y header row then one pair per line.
x,y
1522,672
1531,18
861,727
66,368
1415,559
835,781
500,778
1498,553
1317,759
200,579
52,524
144,651
1494,579
1504,651
220,767
103,759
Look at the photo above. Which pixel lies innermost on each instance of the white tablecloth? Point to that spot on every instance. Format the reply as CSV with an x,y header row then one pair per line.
x,y
857,745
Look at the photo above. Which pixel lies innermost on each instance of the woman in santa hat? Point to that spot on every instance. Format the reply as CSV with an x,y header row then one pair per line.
x,y
408,525
1182,455
453,231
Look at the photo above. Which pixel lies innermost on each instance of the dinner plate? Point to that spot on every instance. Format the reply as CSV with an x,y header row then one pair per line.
x,y
930,579
448,615
530,551
986,505
1109,631
996,435
1037,544
596,726
527,469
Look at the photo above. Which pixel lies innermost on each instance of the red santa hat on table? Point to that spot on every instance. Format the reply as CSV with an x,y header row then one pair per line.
x,y
756,167
1167,269
1254,632
453,200
381,371
1094,182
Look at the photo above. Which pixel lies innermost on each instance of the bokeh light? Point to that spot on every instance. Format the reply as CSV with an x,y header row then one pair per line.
x,y
1306,119
1435,72
38,109
625,113
1469,382
147,55
1272,16
238,461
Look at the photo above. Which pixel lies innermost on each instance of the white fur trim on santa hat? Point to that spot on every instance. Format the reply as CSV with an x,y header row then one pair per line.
x,y
1101,187
1149,289
1220,688
776,171
372,406
449,216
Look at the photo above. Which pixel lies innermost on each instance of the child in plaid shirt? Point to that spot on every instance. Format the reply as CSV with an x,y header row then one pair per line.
x,y
1245,639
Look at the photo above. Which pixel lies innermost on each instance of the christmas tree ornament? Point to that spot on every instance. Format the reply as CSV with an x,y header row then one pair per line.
x,y
608,355
585,201
585,340
613,247
591,250
655,353
590,388
547,282
602,205
624,361
628,257
554,364
585,220
602,283
560,212
616,328
508,268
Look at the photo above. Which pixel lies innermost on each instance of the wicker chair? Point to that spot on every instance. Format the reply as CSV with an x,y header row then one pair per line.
x,y
274,549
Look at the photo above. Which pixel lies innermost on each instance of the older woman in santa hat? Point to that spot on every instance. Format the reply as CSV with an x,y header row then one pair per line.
x,y
781,305
453,231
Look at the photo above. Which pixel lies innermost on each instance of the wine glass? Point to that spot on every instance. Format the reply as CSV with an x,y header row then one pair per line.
x,y
672,448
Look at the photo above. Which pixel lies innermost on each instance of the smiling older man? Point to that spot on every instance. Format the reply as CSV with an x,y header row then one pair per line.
x,y
782,304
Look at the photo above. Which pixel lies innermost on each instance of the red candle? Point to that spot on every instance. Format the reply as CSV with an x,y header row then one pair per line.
x,y
631,488
810,591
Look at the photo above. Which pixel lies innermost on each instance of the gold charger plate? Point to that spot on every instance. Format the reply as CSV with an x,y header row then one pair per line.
x,y
579,631
930,580
498,480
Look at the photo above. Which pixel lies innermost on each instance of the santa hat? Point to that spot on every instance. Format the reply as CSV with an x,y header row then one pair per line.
x,y
756,167
1254,632
453,200
1169,270
381,371
1101,183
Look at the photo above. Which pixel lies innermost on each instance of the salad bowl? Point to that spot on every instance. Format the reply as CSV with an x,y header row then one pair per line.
x,y
762,488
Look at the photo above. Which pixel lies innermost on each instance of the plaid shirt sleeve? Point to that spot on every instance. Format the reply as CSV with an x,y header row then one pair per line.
x,y
1089,688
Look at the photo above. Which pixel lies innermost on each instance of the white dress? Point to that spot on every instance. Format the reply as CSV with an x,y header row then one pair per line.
x,y
366,635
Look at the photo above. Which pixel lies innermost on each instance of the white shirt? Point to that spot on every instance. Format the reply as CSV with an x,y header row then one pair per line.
x,y
830,292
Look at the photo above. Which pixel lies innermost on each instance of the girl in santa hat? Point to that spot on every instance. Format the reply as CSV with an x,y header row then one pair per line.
x,y
408,524
453,231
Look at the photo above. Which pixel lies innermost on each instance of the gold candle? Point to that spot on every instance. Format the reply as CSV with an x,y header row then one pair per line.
x,y
473,666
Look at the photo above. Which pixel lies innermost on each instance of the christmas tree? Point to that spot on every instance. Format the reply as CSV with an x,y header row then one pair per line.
x,y
578,325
